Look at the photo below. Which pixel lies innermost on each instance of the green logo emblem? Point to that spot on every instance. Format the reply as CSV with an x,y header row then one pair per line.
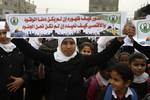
x,y
14,21
145,27
113,19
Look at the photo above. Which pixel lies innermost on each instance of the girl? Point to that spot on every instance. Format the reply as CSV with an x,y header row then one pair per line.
x,y
65,66
86,48
137,64
123,57
121,77
11,71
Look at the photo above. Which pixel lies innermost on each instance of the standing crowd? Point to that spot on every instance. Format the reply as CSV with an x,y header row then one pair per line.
x,y
67,68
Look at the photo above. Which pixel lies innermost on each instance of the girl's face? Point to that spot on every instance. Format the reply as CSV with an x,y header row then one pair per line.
x,y
68,46
86,50
138,66
3,37
124,59
118,84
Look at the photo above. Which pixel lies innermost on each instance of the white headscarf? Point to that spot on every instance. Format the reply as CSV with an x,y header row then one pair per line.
x,y
102,41
35,42
59,55
9,47
2,25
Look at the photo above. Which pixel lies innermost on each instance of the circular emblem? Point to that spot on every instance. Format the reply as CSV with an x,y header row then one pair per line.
x,y
145,27
113,19
14,21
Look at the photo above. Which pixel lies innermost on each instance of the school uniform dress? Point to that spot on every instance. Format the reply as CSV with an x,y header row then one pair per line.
x,y
35,87
143,49
140,85
64,79
141,89
11,63
109,94
96,85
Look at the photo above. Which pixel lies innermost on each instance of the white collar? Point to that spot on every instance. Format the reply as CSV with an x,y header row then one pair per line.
x,y
128,93
142,78
101,79
127,41
9,47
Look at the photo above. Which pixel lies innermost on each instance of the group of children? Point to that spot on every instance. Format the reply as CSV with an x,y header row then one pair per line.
x,y
83,75
130,80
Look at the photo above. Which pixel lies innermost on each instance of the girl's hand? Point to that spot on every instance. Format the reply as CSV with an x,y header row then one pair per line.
x,y
16,84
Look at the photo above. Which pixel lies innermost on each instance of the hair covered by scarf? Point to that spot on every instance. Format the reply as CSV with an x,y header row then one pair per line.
x,y
2,25
59,55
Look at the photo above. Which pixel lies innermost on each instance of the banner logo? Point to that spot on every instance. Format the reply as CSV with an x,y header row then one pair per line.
x,y
113,19
145,27
14,21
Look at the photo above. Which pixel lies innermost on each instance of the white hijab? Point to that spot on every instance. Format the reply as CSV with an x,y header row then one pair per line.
x,y
2,25
35,42
59,55
9,47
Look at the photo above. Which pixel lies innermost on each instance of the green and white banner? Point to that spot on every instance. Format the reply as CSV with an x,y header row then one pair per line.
x,y
143,29
55,25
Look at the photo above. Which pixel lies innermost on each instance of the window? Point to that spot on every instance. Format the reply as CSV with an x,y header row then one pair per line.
x,y
6,3
15,5
6,12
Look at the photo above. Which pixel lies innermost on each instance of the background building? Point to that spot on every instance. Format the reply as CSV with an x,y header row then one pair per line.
x,y
16,6
103,5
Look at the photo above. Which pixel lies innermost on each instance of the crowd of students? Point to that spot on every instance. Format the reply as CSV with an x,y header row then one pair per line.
x,y
71,71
